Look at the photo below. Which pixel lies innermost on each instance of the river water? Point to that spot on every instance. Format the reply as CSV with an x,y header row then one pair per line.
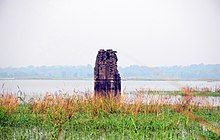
x,y
33,88
41,86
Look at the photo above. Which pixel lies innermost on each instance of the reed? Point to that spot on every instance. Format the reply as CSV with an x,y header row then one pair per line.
x,y
59,116
8,103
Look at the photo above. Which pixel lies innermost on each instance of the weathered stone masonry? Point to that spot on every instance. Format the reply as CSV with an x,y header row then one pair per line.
x,y
106,76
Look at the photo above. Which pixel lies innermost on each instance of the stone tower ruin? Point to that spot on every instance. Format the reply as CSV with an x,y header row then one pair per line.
x,y
107,79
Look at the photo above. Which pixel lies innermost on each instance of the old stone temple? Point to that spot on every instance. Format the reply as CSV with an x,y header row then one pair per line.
x,y
107,79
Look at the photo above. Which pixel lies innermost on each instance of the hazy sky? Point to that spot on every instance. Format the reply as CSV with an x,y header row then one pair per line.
x,y
70,32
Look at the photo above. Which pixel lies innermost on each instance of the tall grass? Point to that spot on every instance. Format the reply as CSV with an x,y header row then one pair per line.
x,y
92,117
8,102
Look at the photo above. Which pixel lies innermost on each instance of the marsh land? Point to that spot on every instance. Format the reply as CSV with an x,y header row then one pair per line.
x,y
144,113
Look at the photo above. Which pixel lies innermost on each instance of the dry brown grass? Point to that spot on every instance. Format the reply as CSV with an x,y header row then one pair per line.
x,y
62,108
56,109
8,102
58,105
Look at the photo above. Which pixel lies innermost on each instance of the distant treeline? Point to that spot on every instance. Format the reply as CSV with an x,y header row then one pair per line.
x,y
200,71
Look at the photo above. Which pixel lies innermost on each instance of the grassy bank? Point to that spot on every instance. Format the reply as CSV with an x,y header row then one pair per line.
x,y
194,91
69,117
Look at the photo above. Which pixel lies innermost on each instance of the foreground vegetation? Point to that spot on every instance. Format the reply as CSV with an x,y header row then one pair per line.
x,y
174,93
88,117
195,92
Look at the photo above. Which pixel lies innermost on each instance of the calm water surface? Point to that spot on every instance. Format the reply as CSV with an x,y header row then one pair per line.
x,y
42,86
38,88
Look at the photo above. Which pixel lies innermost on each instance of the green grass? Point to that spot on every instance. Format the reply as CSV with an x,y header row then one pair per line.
x,y
215,94
166,124
174,93
211,115
59,117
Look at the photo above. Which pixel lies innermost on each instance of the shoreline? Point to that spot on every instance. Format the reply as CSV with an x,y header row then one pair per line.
x,y
123,79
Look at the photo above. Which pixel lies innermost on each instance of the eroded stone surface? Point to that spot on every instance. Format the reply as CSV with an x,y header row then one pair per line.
x,y
106,76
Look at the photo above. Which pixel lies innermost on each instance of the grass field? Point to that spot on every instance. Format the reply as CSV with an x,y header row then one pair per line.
x,y
69,117
195,92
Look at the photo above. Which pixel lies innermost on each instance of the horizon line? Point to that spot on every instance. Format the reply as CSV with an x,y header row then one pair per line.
x,y
118,66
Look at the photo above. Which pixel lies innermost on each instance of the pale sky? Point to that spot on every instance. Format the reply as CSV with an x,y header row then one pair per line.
x,y
70,32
